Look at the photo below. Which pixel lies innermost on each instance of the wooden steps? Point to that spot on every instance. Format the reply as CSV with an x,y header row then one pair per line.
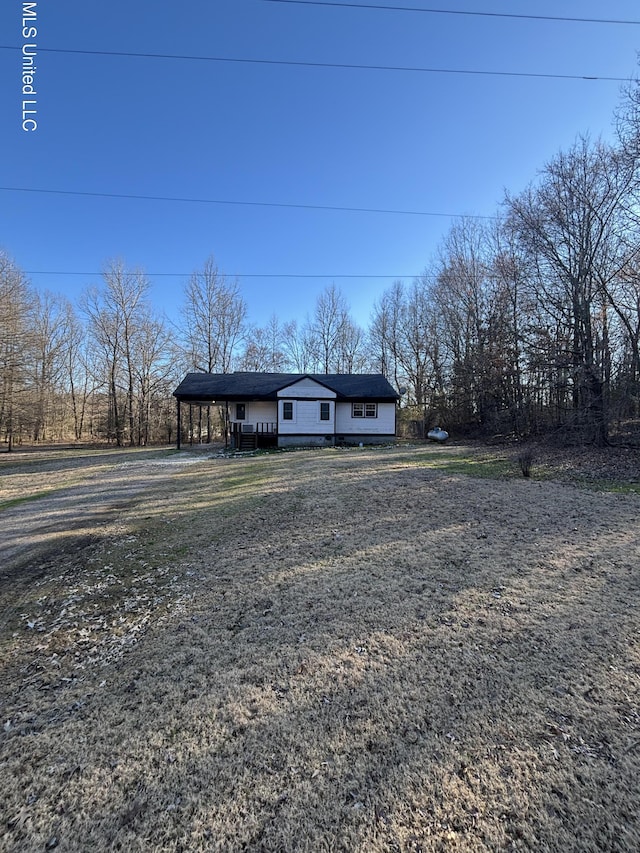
x,y
248,441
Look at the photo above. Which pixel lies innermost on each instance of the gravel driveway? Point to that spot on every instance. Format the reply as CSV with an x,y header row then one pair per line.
x,y
54,503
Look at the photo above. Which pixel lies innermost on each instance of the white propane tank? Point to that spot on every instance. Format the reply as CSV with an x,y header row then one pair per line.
x,y
438,434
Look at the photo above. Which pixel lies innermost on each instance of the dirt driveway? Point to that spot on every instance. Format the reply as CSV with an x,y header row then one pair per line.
x,y
55,502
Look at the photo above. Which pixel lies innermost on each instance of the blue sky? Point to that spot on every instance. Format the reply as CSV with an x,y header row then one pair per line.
x,y
247,132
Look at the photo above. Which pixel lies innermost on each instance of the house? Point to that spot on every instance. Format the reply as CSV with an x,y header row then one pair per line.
x,y
293,409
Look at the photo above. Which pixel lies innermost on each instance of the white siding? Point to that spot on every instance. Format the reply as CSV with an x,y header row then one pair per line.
x,y
307,388
255,413
306,418
384,424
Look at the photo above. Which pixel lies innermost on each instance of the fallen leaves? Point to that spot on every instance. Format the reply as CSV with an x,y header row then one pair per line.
x,y
409,684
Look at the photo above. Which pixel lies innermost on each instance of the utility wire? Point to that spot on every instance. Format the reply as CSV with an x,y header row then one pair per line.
x,y
341,65
456,12
231,274
241,203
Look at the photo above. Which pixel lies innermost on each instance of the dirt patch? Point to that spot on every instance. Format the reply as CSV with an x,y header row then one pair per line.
x,y
332,650
53,502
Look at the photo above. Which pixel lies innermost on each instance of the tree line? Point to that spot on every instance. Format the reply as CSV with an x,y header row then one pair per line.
x,y
526,325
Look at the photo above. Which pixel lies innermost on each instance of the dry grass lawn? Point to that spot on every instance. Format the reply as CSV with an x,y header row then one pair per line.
x,y
337,650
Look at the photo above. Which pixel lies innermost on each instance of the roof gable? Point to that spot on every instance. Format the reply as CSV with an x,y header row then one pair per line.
x,y
306,386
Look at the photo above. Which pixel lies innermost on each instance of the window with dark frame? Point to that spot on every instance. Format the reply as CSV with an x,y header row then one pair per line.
x,y
325,412
287,411
241,412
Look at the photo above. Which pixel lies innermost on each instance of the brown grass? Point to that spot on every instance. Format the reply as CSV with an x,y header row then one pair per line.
x,y
361,650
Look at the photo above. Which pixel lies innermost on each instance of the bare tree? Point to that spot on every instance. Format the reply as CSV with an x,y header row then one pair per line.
x,y
214,316
512,306
299,347
51,339
351,354
328,327
462,295
407,341
15,345
150,359
116,313
628,120
265,348
623,296
574,224
385,331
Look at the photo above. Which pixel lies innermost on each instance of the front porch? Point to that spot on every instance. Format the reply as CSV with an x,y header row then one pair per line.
x,y
251,436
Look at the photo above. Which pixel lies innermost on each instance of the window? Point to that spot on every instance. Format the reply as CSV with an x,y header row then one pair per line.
x,y
241,411
287,411
364,410
325,412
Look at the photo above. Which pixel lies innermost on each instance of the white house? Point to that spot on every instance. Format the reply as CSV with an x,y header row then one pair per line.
x,y
292,409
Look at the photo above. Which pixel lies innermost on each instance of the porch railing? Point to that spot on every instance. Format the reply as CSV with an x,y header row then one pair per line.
x,y
262,427
262,430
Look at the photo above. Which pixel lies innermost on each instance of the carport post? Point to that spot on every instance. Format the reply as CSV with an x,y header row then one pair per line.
x,y
179,425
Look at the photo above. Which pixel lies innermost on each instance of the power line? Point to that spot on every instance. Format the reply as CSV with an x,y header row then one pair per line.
x,y
241,203
340,65
457,12
233,274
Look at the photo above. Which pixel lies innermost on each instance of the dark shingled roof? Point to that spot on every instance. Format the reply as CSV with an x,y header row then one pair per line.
x,y
209,387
